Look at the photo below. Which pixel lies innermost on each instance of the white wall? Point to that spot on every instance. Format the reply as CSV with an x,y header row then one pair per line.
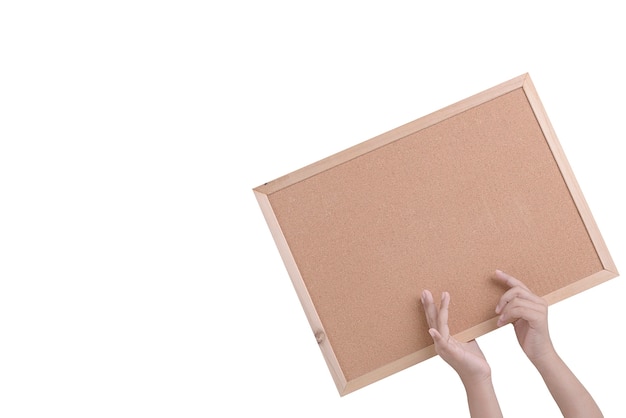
x,y
137,275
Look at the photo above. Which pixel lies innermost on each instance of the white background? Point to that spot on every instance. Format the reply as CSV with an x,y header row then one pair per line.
x,y
137,275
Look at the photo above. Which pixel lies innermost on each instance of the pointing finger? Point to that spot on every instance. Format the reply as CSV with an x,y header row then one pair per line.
x,y
510,280
518,292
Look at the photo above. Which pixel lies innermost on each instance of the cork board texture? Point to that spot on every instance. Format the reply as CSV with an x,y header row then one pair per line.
x,y
439,203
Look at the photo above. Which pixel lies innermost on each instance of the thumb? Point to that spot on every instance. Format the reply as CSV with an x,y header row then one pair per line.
x,y
442,346
437,338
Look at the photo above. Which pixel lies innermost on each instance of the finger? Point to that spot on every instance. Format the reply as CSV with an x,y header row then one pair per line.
x,y
518,292
509,280
429,308
447,348
441,343
437,338
522,309
442,319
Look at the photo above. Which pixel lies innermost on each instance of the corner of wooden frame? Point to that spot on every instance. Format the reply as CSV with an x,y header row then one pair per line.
x,y
262,194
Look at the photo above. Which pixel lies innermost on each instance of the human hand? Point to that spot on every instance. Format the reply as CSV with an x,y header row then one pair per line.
x,y
466,358
529,315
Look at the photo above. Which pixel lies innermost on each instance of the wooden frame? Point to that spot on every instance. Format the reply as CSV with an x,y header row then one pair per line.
x,y
419,214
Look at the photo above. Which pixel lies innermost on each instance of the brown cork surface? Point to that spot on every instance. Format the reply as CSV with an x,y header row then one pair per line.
x,y
438,209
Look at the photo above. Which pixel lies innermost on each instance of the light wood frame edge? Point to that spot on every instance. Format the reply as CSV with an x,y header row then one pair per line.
x,y
568,177
390,136
344,387
303,295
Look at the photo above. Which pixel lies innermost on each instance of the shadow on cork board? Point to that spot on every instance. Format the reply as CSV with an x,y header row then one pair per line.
x,y
439,204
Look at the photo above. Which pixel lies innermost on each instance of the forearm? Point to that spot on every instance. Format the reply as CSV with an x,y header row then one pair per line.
x,y
568,392
481,399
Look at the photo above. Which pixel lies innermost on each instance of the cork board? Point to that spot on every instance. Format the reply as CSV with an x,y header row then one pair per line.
x,y
438,203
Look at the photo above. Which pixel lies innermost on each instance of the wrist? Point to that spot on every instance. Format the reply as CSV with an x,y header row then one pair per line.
x,y
546,360
475,375
481,397
476,381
